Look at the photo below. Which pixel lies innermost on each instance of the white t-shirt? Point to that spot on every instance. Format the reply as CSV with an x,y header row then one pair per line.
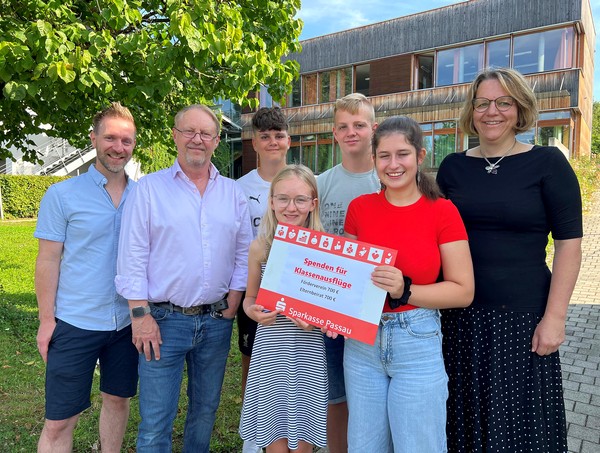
x,y
256,190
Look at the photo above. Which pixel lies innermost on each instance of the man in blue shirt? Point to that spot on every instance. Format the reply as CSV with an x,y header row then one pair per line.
x,y
82,318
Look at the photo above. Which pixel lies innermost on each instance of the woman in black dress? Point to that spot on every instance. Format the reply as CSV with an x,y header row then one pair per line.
x,y
501,353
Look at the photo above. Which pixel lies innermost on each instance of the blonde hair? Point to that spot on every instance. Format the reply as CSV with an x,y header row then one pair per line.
x,y
352,103
515,86
115,110
268,224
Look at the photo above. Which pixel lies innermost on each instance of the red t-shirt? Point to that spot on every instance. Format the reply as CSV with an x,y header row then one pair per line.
x,y
415,231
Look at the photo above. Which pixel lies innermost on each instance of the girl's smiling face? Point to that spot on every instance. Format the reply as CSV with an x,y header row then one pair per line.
x,y
292,201
397,162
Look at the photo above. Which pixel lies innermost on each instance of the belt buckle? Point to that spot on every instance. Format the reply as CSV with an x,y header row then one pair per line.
x,y
192,311
216,309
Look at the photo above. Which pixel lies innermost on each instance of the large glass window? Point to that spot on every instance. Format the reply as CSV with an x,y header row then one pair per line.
x,y
293,154
265,98
428,145
317,152
308,156
335,84
363,78
553,135
444,141
498,54
545,51
230,109
294,98
459,65
324,152
424,76
534,52
439,140
554,129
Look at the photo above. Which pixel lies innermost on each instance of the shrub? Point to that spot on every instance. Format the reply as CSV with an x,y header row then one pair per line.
x,y
21,194
588,174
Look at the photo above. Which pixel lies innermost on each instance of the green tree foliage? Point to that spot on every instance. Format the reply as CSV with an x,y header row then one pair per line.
x,y
596,129
159,157
63,60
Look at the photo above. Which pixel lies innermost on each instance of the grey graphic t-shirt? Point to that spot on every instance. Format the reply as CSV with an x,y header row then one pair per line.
x,y
337,188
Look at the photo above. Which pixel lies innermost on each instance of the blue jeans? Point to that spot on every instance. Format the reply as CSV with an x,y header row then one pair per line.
x,y
334,350
397,388
203,343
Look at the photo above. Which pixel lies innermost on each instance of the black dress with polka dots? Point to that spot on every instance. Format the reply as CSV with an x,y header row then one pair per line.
x,y
502,396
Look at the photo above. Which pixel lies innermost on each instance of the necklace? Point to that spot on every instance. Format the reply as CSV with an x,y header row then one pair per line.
x,y
493,167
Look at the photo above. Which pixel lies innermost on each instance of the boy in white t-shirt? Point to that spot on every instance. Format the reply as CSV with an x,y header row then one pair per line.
x,y
271,142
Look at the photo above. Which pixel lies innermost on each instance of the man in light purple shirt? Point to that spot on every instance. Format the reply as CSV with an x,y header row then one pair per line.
x,y
182,264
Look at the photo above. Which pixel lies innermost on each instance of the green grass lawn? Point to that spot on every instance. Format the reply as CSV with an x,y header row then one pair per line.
x,y
22,369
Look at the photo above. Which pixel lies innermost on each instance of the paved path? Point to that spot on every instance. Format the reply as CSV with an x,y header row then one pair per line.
x,y
581,351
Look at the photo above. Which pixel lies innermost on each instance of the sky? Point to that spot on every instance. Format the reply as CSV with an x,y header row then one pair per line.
x,y
322,17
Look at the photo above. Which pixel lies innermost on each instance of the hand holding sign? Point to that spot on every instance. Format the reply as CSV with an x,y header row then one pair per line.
x,y
258,314
324,286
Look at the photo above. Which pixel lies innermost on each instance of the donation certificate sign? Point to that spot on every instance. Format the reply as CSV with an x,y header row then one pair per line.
x,y
325,280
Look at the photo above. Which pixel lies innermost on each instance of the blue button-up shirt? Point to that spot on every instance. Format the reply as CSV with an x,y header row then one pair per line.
x,y
179,246
80,213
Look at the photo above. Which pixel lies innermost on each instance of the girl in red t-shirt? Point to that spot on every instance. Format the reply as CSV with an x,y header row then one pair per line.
x,y
398,387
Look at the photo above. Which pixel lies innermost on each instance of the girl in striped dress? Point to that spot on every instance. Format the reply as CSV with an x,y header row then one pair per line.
x,y
285,403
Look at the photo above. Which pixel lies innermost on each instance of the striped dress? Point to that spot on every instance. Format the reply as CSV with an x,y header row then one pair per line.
x,y
286,394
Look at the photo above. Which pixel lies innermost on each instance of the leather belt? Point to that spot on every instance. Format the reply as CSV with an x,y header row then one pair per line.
x,y
195,310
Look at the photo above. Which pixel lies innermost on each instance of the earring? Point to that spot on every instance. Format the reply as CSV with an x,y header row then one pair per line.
x,y
418,175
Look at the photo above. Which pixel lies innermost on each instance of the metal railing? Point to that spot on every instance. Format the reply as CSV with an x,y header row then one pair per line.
x,y
57,156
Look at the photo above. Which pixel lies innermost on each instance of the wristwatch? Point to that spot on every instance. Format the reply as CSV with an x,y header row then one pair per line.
x,y
140,312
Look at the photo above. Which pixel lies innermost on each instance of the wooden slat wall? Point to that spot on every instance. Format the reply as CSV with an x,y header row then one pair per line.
x,y
554,90
466,21
309,89
583,135
389,48
390,75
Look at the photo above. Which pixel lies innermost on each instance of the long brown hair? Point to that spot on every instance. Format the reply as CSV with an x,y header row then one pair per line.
x,y
414,136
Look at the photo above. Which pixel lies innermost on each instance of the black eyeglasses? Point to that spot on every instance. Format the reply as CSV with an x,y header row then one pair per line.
x,y
503,103
204,136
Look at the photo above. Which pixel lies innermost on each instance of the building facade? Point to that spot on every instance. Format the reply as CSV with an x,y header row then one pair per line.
x,y
421,66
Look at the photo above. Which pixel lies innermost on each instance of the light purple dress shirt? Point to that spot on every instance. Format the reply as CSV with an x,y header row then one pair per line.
x,y
179,246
